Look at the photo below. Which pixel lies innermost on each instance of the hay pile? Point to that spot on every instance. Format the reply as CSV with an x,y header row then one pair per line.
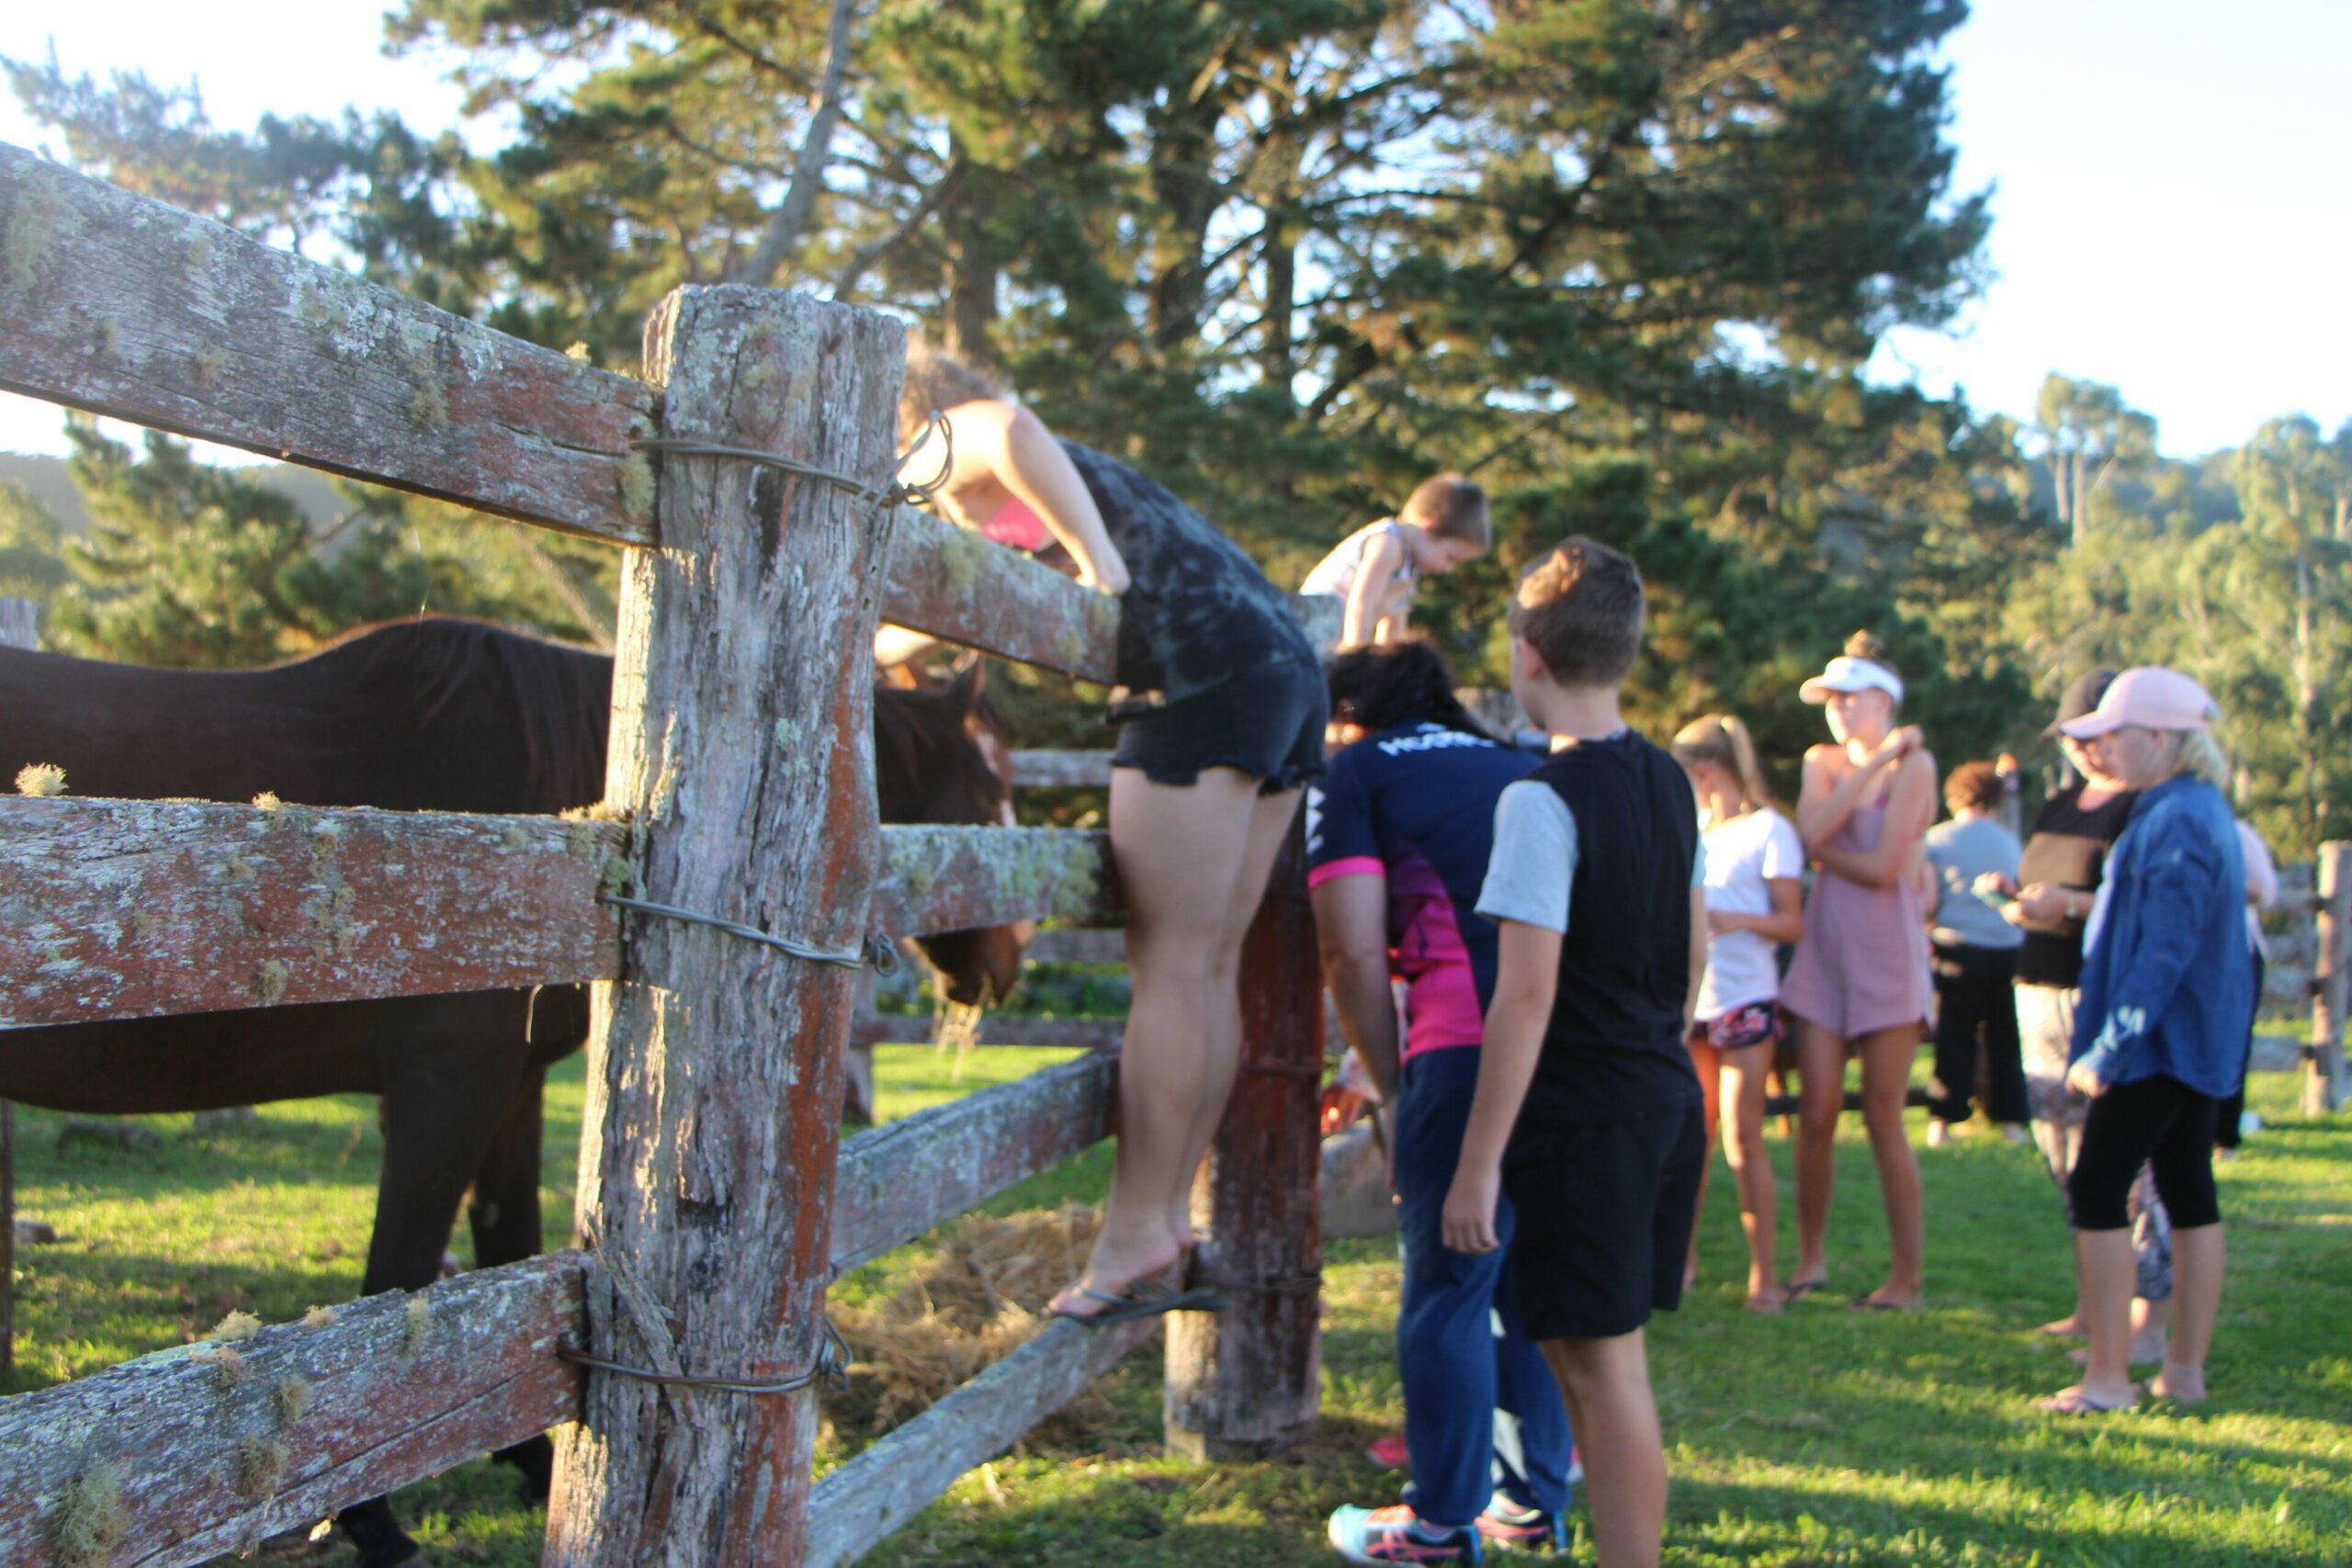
x,y
971,1303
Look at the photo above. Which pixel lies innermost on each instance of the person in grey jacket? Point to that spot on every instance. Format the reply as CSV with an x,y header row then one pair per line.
x,y
2168,985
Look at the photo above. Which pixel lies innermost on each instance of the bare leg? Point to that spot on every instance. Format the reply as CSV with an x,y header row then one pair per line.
x,y
1887,1082
1270,821
2197,1258
1707,1062
1821,1095
1744,1075
1607,1385
1180,851
2107,1271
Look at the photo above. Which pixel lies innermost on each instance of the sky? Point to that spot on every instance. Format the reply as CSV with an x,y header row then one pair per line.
x,y
2163,216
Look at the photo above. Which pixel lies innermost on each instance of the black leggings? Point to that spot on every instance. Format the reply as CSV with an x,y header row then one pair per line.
x,y
1976,998
2158,1121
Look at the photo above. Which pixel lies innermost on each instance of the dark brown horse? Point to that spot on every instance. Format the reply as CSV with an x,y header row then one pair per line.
x,y
429,714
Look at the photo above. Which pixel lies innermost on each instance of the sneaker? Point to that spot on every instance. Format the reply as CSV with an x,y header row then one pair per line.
x,y
1394,1535
1390,1452
1506,1525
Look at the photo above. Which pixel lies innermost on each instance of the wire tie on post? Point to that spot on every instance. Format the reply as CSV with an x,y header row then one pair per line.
x,y
830,1367
894,493
877,951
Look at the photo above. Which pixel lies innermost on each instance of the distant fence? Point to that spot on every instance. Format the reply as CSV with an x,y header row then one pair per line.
x,y
715,1200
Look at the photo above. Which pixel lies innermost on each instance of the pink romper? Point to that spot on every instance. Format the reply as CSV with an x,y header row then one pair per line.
x,y
1862,963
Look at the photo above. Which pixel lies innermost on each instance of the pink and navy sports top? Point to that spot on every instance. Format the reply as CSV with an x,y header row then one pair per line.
x,y
1016,523
1416,804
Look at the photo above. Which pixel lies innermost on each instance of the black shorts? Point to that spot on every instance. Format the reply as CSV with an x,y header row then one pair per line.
x,y
1268,723
1604,1215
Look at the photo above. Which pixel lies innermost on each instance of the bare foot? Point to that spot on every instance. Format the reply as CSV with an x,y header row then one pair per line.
x,y
1768,1303
1939,1133
2084,1399
1117,1264
1885,1299
1804,1285
2068,1327
2183,1385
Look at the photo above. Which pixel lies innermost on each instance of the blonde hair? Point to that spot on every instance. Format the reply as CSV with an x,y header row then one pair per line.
x,y
1451,506
935,381
2201,757
1723,741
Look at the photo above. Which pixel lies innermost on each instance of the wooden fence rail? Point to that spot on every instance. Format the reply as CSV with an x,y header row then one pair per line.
x,y
198,1451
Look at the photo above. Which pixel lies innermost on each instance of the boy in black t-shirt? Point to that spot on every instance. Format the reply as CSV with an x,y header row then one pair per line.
x,y
1587,1111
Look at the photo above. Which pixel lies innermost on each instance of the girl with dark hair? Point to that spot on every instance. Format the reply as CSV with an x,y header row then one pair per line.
x,y
1226,727
1860,982
1399,831
1755,904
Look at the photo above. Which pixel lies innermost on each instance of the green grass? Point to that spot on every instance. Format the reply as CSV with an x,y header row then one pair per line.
x,y
1821,1437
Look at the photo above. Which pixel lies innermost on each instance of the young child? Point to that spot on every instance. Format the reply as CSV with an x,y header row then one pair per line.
x,y
1587,1116
1375,570
1399,834
1755,902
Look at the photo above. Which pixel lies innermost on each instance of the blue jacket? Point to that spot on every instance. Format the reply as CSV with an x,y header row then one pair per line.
x,y
2168,984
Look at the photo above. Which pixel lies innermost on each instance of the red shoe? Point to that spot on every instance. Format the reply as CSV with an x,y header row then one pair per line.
x,y
1506,1525
1390,1451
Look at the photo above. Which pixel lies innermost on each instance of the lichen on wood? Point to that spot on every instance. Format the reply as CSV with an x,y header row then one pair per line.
x,y
91,1519
40,779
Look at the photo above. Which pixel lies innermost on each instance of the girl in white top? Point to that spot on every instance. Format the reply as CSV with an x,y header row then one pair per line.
x,y
1374,569
1754,901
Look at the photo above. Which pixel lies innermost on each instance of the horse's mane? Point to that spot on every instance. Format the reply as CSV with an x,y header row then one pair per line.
x,y
549,688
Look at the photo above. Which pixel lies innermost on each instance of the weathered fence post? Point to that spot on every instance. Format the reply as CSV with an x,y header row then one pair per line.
x,y
2322,1080
742,698
1245,1382
19,627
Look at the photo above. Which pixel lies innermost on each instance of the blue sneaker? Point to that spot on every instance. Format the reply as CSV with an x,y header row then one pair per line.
x,y
1394,1534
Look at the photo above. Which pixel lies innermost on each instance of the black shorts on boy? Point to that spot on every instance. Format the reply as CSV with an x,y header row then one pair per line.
x,y
1600,844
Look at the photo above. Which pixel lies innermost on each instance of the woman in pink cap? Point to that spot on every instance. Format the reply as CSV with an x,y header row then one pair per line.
x,y
1860,982
2168,986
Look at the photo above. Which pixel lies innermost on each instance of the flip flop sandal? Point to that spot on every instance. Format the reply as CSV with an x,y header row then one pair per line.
x,y
1873,1303
2074,1402
1126,1306
1798,1290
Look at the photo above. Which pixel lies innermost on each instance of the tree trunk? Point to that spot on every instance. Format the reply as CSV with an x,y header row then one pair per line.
x,y
1184,178
969,318
741,695
788,229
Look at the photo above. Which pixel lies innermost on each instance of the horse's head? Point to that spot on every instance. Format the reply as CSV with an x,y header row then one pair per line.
x,y
945,756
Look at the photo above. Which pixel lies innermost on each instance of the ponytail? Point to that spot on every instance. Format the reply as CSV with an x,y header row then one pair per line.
x,y
1721,740
2201,757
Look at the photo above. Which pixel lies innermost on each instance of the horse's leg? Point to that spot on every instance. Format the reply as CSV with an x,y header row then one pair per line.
x,y
450,1072
505,1215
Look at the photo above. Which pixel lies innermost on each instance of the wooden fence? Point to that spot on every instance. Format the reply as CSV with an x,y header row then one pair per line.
x,y
716,1201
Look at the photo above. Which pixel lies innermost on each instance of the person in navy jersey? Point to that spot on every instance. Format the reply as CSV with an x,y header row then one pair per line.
x,y
1400,831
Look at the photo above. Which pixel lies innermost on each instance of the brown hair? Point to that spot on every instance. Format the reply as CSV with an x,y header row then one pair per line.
x,y
1580,608
1450,507
1977,786
1720,739
1864,644
936,382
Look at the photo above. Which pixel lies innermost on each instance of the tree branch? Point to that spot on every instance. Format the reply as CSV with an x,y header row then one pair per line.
x,y
786,229
869,256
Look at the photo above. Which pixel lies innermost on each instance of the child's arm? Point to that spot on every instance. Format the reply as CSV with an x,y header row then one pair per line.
x,y
1890,860
1785,924
1368,595
1527,974
1013,444
1698,957
1352,928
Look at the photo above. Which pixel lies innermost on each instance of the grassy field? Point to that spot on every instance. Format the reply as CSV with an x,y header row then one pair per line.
x,y
1822,1438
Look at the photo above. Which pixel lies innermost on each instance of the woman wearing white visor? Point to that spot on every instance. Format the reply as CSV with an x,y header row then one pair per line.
x,y
1862,981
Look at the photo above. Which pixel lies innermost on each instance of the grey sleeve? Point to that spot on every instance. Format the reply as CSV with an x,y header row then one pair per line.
x,y
1534,858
